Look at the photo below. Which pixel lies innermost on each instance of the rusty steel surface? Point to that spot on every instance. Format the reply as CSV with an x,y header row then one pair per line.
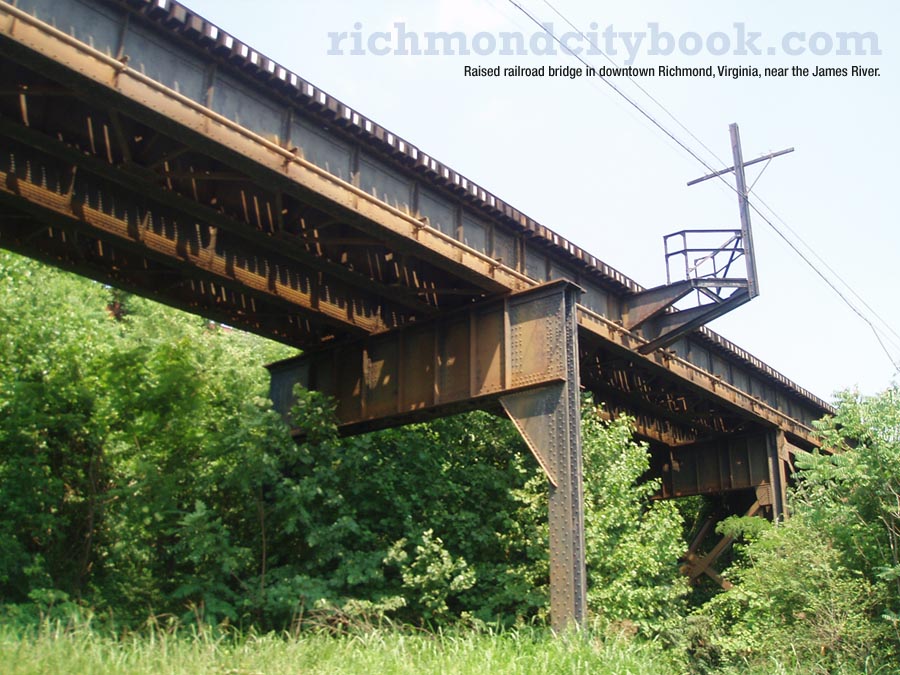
x,y
738,463
473,242
520,353
459,360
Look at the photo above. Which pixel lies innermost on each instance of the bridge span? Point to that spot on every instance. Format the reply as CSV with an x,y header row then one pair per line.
x,y
146,148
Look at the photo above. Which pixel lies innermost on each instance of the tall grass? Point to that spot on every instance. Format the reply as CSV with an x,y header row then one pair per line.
x,y
78,648
81,650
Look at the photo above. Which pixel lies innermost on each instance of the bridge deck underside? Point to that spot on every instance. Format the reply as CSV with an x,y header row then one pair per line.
x,y
94,189
124,191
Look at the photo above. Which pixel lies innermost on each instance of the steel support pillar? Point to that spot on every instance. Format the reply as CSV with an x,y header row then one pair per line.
x,y
549,420
521,352
778,459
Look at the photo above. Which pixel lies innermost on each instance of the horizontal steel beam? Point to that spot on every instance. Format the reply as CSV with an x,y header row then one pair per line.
x,y
735,463
136,182
266,160
463,359
696,379
180,244
135,273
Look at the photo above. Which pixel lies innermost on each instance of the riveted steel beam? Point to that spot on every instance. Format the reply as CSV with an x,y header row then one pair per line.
x,y
520,351
135,181
550,421
261,157
758,461
179,241
618,339
175,286
715,467
457,361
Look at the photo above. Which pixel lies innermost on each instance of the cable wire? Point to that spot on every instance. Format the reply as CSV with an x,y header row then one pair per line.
x,y
699,159
633,81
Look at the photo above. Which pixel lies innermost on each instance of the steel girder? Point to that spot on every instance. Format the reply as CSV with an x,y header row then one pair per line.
x,y
520,352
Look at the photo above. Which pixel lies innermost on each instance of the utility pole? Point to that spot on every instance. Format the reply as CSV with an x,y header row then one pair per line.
x,y
744,206
743,193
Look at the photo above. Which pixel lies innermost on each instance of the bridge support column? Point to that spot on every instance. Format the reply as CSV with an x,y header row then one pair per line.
x,y
549,420
779,459
519,353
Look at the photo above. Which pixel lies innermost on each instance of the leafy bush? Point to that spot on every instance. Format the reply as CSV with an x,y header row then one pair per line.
x,y
633,543
143,471
820,590
794,602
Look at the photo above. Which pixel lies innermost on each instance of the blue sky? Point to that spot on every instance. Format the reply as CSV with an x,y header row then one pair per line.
x,y
577,158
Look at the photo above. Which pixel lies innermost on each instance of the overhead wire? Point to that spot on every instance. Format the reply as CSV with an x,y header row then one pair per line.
x,y
750,190
698,158
831,270
632,80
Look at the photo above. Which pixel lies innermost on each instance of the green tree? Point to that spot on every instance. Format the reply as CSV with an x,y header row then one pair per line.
x,y
54,331
820,590
633,542
114,425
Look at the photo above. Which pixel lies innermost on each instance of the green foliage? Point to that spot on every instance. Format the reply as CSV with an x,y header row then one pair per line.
x,y
431,574
819,592
403,511
112,431
793,601
143,472
853,493
633,543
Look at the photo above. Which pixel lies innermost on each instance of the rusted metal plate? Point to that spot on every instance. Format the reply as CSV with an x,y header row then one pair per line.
x,y
736,463
437,366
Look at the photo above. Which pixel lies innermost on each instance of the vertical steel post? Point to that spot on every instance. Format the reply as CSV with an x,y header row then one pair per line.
x,y
575,482
549,420
775,449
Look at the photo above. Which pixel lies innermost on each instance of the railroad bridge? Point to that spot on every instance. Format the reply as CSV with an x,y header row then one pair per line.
x,y
146,148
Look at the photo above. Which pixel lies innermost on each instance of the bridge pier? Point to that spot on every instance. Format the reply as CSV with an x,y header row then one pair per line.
x,y
518,353
549,420
753,465
777,449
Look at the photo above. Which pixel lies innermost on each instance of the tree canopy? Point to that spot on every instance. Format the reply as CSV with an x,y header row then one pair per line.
x,y
142,470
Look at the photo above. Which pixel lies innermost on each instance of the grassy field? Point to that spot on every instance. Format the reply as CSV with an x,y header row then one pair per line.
x,y
60,649
82,651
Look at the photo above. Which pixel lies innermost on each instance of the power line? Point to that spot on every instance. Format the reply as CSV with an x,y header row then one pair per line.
x,y
693,154
832,286
632,80
625,96
830,269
